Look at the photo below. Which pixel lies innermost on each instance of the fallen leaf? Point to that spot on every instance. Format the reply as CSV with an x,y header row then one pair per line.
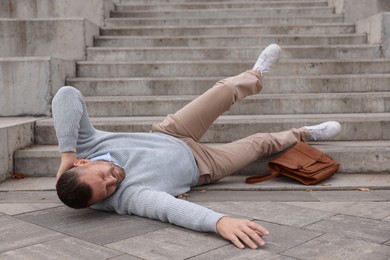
x,y
363,189
184,195
18,175
203,190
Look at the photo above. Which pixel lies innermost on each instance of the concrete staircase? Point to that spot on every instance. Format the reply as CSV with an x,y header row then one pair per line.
x,y
154,56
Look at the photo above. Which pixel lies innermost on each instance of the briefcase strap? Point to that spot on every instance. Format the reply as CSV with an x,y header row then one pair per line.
x,y
256,179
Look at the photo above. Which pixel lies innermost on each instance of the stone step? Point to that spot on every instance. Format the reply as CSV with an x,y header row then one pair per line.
x,y
324,28
222,53
266,104
225,13
228,40
263,20
355,126
198,85
218,5
228,67
202,1
353,156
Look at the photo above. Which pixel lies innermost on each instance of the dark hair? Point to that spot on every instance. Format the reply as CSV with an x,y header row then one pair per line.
x,y
72,192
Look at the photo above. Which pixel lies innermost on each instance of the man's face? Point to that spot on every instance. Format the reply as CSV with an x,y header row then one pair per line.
x,y
103,178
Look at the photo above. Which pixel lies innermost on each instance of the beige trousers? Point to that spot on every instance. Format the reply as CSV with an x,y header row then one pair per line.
x,y
192,121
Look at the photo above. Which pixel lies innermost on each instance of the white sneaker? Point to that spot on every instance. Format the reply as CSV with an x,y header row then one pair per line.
x,y
268,57
324,131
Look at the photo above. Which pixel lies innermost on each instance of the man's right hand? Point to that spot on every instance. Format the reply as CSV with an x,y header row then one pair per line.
x,y
240,231
67,161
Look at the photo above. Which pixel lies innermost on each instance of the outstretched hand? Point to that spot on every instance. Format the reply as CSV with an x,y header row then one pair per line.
x,y
241,231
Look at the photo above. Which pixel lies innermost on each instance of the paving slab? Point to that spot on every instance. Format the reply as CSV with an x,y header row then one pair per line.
x,y
277,213
353,195
29,197
228,252
341,181
169,244
335,247
125,257
87,224
19,208
249,196
65,248
29,184
378,210
15,233
370,230
384,194
283,237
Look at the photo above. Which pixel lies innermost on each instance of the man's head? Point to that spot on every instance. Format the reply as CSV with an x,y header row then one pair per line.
x,y
88,182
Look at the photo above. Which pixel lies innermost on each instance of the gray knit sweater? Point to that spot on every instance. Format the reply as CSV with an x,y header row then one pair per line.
x,y
158,166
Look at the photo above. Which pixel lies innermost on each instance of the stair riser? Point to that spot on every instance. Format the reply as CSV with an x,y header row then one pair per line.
x,y
225,13
127,22
355,160
147,2
214,31
346,52
220,6
226,131
204,69
148,86
266,105
228,41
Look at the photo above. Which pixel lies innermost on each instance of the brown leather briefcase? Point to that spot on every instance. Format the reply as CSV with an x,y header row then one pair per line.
x,y
302,162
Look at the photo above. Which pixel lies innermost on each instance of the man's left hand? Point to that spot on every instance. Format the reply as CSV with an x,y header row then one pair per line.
x,y
242,231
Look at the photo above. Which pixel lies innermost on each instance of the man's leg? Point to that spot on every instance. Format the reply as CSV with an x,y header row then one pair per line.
x,y
228,158
193,120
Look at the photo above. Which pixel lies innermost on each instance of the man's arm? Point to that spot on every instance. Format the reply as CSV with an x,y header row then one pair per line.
x,y
70,121
144,202
67,160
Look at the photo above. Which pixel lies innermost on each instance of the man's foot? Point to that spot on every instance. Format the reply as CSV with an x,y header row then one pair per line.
x,y
324,131
268,57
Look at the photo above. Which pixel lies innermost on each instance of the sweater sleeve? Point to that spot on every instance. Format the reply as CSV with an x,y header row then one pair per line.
x,y
71,119
163,206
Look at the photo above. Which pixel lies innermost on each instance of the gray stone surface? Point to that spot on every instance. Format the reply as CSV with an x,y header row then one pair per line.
x,y
65,248
334,247
302,225
27,84
87,224
15,133
94,10
167,244
272,212
64,38
354,227
15,233
378,211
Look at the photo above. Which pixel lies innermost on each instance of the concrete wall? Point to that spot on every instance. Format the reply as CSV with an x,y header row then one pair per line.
x,y
94,10
355,10
377,28
15,133
60,38
27,84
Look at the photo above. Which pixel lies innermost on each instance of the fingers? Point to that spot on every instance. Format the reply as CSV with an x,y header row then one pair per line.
x,y
242,232
258,229
251,238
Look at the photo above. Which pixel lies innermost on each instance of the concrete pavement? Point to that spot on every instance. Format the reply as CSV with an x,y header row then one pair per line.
x,y
327,221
